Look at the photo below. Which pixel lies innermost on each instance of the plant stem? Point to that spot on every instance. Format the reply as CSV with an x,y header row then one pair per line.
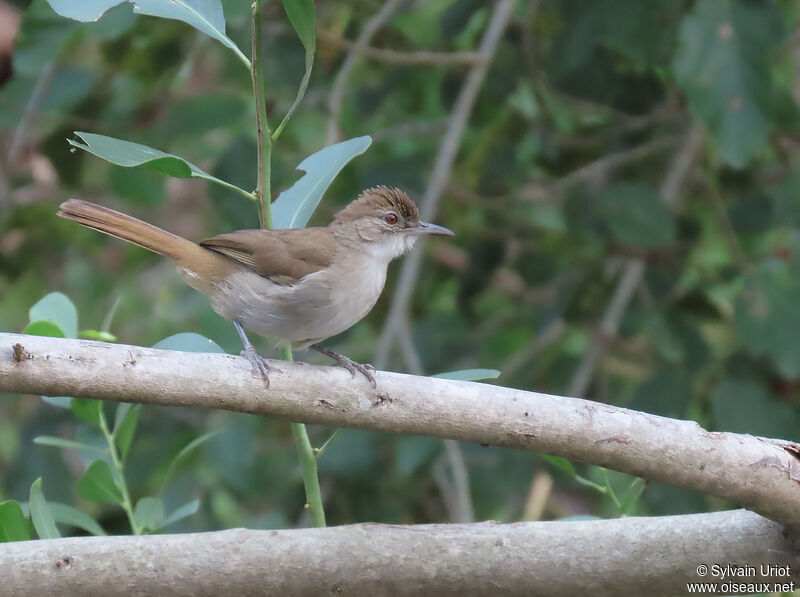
x,y
250,195
318,452
264,141
127,505
308,462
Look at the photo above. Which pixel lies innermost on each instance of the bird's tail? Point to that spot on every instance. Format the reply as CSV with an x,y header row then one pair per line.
x,y
130,229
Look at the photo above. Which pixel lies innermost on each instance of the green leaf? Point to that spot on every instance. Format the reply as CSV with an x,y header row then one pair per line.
x,y
87,410
123,408
743,406
636,216
41,516
85,10
14,526
149,513
58,401
632,495
58,309
125,420
182,512
60,442
203,15
65,514
97,335
43,328
188,342
185,451
293,207
469,374
723,65
302,16
561,463
131,155
97,484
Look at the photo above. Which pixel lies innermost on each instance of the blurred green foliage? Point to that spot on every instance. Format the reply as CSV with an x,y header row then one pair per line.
x,y
556,185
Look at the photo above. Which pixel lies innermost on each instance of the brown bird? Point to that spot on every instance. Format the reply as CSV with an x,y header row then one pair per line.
x,y
298,285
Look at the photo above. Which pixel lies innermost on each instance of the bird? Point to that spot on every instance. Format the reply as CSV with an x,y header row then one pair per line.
x,y
300,286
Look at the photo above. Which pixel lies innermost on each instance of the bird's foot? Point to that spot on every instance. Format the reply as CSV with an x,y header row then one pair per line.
x,y
258,363
348,363
366,369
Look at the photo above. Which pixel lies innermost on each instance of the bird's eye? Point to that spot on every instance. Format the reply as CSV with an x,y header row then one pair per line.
x,y
390,218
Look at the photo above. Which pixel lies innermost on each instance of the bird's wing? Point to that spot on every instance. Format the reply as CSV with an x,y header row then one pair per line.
x,y
284,256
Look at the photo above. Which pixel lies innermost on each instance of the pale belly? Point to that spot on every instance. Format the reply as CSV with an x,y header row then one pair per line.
x,y
319,306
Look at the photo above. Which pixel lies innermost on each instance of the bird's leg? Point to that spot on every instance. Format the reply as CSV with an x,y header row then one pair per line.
x,y
259,364
349,364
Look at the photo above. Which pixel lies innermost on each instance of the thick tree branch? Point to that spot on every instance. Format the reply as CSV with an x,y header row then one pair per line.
x,y
626,556
757,473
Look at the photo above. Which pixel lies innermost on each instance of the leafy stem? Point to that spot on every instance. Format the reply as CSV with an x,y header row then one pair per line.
x,y
308,461
119,465
263,141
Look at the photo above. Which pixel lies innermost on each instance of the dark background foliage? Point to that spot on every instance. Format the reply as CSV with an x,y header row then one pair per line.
x,y
712,332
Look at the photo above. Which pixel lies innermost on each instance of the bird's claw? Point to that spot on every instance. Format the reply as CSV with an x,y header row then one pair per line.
x,y
258,363
365,370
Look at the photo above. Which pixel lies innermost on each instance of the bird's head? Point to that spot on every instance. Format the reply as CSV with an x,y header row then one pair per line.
x,y
385,221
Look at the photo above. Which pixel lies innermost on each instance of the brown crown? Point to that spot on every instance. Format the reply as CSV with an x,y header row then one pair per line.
x,y
378,200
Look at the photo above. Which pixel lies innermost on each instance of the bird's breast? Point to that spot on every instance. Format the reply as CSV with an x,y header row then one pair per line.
x,y
318,306
356,287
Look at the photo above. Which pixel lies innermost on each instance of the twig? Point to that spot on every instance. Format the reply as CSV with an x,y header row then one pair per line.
x,y
38,95
724,222
757,473
441,172
408,129
340,82
119,469
634,268
595,172
607,329
398,57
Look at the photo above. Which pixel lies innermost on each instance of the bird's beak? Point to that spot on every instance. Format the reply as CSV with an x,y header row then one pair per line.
x,y
431,229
